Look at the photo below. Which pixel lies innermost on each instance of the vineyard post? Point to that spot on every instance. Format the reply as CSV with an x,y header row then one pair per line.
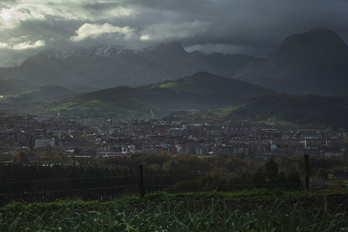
x,y
306,163
141,181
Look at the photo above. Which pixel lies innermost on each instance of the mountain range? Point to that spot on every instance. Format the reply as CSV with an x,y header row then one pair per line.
x,y
111,66
315,62
118,81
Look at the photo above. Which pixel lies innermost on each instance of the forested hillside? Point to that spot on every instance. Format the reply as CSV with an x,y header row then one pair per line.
x,y
276,110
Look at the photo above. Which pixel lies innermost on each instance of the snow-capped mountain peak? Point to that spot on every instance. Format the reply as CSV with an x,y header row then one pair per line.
x,y
58,54
112,51
103,51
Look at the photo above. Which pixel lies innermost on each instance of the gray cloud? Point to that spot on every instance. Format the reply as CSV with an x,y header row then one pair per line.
x,y
95,31
170,31
252,27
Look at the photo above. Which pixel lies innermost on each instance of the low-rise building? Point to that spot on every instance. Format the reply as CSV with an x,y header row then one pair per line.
x,y
44,142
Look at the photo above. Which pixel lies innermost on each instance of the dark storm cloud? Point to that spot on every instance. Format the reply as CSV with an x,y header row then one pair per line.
x,y
252,27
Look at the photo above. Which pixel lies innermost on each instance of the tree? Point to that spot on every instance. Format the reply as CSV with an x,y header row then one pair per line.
x,y
21,157
282,180
77,151
258,178
271,171
338,171
294,180
322,173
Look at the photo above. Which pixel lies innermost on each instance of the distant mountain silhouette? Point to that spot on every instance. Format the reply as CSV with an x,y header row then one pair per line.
x,y
199,91
315,62
112,66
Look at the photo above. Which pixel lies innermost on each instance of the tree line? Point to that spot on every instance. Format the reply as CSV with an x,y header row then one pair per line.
x,y
108,178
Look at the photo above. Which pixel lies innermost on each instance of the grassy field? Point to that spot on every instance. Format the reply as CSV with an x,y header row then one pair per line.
x,y
258,210
278,123
225,111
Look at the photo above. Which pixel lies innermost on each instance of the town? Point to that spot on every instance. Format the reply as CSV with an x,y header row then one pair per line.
x,y
40,138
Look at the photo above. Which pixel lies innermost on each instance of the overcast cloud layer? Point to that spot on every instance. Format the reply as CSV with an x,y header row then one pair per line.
x,y
253,27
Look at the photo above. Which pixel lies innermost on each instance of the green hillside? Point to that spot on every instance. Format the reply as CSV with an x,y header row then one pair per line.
x,y
43,93
199,91
276,110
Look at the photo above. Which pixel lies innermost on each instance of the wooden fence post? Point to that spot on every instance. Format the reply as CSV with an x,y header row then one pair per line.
x,y
141,181
306,163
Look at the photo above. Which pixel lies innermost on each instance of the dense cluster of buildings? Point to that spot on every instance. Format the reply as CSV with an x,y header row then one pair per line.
x,y
108,138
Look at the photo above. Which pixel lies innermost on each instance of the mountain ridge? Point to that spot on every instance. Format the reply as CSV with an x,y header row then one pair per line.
x,y
112,66
314,62
279,110
197,91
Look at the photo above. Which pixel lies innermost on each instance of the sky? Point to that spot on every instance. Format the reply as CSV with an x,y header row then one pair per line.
x,y
251,27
